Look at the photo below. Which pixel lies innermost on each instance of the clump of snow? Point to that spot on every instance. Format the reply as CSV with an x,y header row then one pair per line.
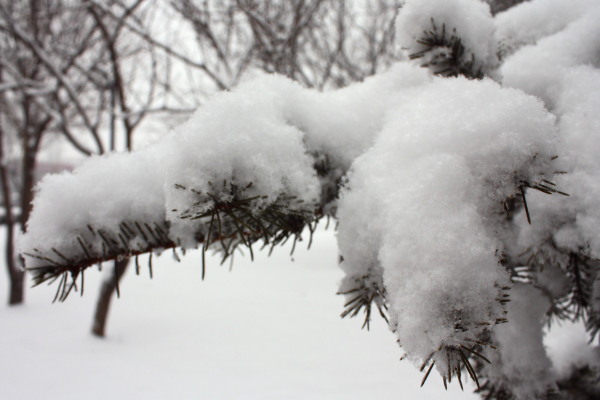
x,y
537,69
577,105
530,21
469,20
101,193
521,364
425,201
279,131
238,139
572,221
567,227
343,123
560,248
261,141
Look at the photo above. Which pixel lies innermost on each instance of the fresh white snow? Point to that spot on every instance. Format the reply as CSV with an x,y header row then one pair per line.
x,y
269,329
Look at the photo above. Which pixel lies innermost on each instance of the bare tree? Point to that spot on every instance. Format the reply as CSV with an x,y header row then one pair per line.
x,y
319,43
69,69
44,91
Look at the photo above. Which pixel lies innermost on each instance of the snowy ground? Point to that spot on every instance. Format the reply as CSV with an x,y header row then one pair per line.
x,y
266,330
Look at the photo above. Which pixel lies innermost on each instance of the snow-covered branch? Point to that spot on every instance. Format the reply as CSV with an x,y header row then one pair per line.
x,y
263,175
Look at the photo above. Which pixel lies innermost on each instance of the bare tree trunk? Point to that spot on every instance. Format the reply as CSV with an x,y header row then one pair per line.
x,y
118,98
17,285
16,274
29,161
108,287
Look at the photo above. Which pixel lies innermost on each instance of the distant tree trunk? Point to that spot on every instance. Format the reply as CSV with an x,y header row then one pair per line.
x,y
118,104
17,286
16,274
17,278
108,287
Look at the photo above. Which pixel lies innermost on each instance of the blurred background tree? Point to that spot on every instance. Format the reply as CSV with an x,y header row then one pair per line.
x,y
89,73
71,72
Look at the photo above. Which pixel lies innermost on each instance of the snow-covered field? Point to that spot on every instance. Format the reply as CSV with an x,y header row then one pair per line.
x,y
266,330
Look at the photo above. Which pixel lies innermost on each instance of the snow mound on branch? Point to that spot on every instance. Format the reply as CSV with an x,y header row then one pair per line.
x,y
425,204
573,221
559,250
238,139
521,364
99,193
471,18
571,224
537,69
530,21
343,123
268,132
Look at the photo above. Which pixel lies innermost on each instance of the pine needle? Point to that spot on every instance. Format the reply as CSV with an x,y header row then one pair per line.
x,y
525,204
427,374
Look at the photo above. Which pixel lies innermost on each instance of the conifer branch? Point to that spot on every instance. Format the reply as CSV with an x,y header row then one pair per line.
x,y
444,52
237,219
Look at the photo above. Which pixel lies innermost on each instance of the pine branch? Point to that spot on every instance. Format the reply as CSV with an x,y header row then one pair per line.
x,y
362,293
444,53
237,220
457,359
592,324
581,272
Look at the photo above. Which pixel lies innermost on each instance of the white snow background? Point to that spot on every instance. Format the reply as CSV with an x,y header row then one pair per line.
x,y
269,329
